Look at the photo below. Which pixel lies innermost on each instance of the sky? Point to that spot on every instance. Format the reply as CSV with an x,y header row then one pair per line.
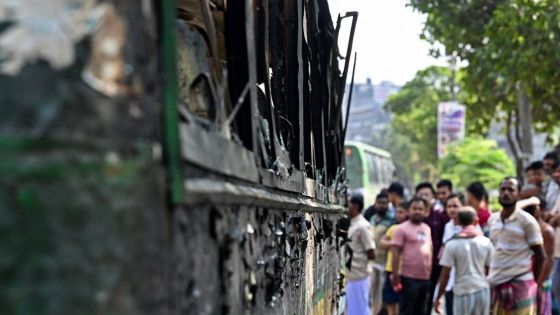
x,y
387,40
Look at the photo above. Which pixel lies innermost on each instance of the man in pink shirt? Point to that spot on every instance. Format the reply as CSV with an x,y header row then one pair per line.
x,y
412,263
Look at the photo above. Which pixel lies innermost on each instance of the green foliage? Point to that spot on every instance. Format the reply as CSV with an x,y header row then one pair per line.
x,y
412,133
506,44
476,159
66,217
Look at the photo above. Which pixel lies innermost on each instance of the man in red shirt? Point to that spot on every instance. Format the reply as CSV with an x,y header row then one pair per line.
x,y
477,197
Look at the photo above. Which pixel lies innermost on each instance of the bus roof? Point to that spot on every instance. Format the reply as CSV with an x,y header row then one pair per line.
x,y
369,148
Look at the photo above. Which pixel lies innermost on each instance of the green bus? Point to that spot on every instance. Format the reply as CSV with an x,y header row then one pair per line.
x,y
369,169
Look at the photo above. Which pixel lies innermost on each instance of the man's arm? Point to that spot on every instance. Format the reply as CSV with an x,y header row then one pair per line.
x,y
396,277
488,260
553,215
385,242
554,219
534,238
532,201
443,280
397,248
548,236
366,237
539,257
532,191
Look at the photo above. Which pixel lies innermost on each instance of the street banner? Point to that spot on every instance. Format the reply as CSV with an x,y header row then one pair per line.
x,y
451,125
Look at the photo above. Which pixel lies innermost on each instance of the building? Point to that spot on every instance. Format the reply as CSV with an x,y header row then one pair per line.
x,y
367,115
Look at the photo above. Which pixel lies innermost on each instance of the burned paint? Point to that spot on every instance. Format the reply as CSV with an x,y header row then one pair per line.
x,y
84,199
43,30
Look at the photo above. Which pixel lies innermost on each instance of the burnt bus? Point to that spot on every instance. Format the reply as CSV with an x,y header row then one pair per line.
x,y
172,157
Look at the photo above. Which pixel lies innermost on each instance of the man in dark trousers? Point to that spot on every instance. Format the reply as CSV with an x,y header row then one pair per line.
x,y
412,260
436,220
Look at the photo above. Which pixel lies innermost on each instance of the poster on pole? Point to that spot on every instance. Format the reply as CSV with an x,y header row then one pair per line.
x,y
451,125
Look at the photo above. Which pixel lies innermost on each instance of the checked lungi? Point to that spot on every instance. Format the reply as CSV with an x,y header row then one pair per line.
x,y
515,297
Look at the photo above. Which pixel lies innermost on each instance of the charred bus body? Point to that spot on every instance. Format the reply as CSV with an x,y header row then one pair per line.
x,y
201,143
282,136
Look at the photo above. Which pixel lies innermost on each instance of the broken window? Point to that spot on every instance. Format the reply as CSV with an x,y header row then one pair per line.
x,y
265,77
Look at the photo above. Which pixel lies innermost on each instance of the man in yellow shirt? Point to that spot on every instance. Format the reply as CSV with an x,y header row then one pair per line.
x,y
390,297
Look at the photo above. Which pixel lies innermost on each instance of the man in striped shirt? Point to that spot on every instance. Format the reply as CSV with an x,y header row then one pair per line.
x,y
518,257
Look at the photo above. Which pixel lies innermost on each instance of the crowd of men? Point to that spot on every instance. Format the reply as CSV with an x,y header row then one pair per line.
x,y
441,248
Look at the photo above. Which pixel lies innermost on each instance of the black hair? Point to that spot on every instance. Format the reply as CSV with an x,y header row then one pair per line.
x,y
357,200
382,195
533,209
535,166
552,155
456,195
512,178
542,199
425,185
445,183
405,205
477,190
417,199
396,188
466,217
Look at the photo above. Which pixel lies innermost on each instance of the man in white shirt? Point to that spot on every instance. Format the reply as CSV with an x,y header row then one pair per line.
x,y
552,190
469,253
453,206
359,250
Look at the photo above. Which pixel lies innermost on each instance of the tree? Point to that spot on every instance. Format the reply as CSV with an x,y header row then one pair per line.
x,y
512,51
412,133
475,159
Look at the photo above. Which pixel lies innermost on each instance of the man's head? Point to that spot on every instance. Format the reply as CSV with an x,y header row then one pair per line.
x,y
453,205
556,173
509,192
426,191
402,213
467,216
535,173
536,210
382,204
549,160
396,193
355,205
476,193
444,189
417,210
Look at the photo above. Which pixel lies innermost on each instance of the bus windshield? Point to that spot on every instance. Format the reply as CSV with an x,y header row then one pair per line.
x,y
354,167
